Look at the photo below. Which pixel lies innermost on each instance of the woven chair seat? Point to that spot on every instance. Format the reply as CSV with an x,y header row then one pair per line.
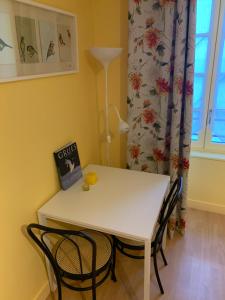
x,y
67,257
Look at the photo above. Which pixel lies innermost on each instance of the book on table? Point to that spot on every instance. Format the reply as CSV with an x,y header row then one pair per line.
x,y
68,165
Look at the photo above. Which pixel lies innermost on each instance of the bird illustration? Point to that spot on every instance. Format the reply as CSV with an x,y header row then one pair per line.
x,y
3,45
51,50
61,41
22,48
31,51
69,164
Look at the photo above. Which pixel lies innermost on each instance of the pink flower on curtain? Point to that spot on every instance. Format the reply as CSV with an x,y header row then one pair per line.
x,y
162,86
135,79
189,88
185,163
152,38
175,161
158,155
137,2
146,103
135,151
179,83
164,2
149,116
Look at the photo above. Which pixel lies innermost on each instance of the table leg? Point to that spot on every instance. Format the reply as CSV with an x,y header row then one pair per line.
x,y
43,221
147,269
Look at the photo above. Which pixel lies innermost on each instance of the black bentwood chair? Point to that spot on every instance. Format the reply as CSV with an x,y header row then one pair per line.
x,y
75,256
135,249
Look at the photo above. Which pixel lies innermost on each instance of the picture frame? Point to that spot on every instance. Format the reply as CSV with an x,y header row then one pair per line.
x,y
36,41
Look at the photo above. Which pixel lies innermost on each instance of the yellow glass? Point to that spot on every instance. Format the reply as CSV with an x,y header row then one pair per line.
x,y
91,178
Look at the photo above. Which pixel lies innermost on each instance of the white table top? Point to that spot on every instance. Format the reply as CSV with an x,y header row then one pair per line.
x,y
122,202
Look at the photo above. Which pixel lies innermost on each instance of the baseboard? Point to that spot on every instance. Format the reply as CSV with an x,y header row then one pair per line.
x,y
43,293
207,206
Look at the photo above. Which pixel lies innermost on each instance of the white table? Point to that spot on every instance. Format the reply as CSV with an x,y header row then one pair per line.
x,y
123,202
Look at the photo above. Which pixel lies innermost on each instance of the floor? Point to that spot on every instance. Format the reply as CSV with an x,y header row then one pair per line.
x,y
195,271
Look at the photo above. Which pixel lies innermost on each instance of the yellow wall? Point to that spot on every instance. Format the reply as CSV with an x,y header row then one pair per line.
x,y
206,184
110,30
38,116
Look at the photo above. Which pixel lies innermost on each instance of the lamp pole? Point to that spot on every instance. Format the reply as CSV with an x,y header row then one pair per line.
x,y
107,132
105,56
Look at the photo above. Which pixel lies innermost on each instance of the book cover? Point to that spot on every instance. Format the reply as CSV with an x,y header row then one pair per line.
x,y
68,165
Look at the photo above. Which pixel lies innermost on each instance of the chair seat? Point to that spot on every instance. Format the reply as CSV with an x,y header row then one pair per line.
x,y
68,259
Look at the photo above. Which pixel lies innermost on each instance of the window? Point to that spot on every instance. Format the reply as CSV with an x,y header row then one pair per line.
x,y
208,127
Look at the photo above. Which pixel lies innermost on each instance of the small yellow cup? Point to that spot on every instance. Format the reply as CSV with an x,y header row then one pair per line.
x,y
91,178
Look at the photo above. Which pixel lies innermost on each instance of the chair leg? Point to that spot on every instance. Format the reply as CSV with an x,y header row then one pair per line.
x,y
163,257
94,288
59,293
93,293
157,273
59,288
113,274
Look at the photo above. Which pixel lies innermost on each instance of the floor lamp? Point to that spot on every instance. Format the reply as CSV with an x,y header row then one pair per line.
x,y
105,56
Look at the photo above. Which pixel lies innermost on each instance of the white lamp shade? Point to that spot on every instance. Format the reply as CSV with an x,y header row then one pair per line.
x,y
123,127
105,55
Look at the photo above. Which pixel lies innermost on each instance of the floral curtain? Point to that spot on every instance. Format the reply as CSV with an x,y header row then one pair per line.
x,y
160,92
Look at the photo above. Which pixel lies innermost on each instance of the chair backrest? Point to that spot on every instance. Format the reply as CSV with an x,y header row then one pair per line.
x,y
167,209
49,240
167,200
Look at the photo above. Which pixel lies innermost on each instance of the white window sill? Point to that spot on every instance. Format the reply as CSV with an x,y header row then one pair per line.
x,y
207,155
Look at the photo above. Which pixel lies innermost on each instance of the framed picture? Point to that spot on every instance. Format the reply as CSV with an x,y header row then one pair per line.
x,y
36,41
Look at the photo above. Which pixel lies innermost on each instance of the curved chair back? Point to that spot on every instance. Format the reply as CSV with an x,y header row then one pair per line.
x,y
57,236
49,240
167,200
166,211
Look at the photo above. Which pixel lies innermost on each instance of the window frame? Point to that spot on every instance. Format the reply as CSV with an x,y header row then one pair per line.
x,y
204,143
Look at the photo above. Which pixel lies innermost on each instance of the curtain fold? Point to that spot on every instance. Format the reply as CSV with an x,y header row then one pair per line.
x,y
160,90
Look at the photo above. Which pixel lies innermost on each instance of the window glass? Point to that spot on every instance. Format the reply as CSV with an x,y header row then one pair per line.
x,y
218,130
198,91
197,106
201,48
202,56
218,120
204,11
220,96
196,124
209,77
223,59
